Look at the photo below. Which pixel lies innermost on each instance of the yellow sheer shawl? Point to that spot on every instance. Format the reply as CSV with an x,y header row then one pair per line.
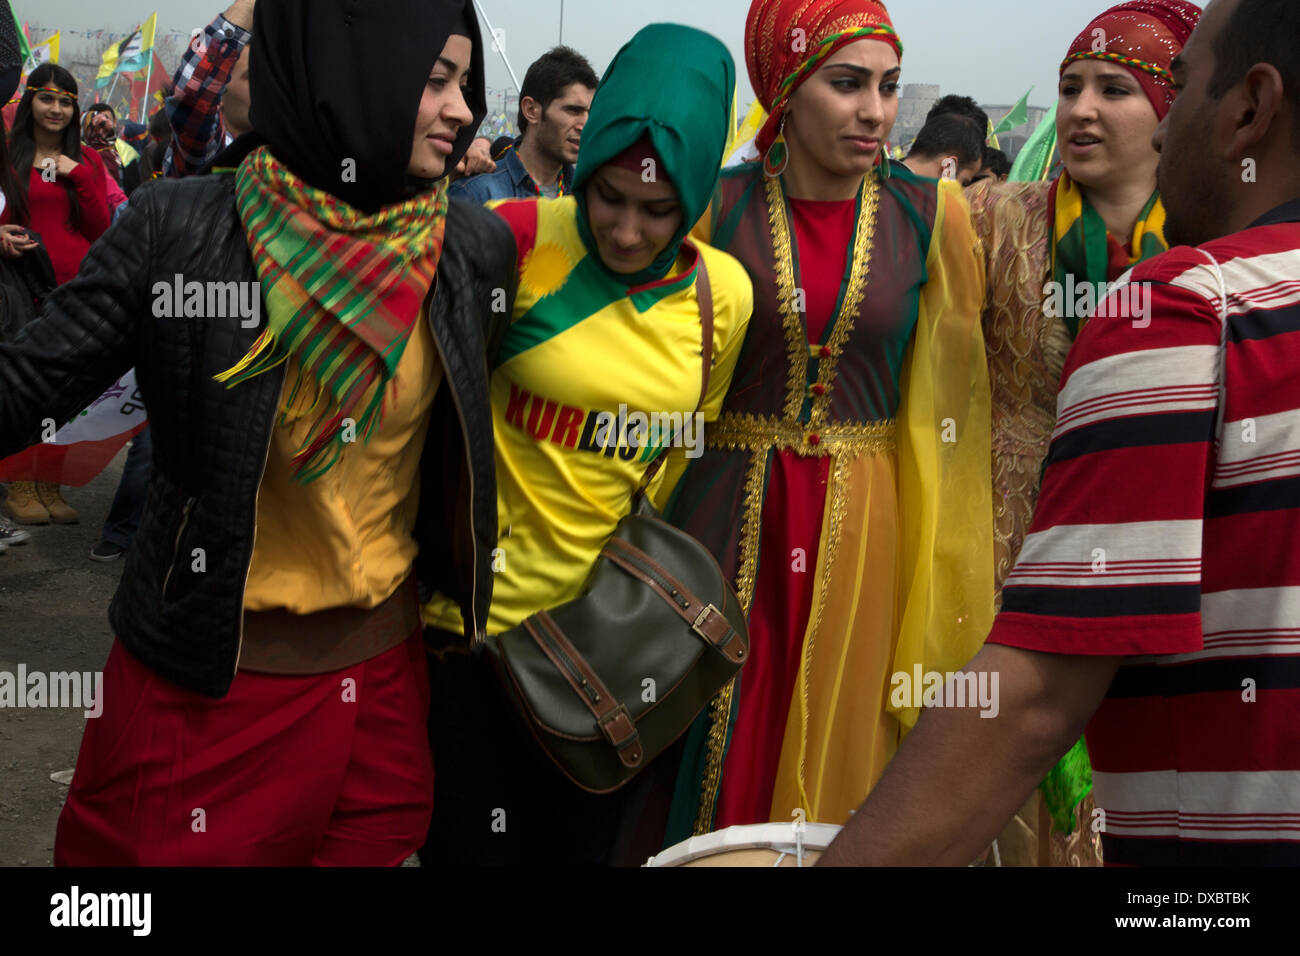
x,y
944,460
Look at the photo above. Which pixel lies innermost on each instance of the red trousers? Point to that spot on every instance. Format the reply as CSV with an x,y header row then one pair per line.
x,y
327,770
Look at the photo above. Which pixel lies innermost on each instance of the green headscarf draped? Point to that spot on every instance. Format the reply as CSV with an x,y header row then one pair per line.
x,y
674,84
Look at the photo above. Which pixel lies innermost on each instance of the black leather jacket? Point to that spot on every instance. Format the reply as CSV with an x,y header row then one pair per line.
x,y
210,443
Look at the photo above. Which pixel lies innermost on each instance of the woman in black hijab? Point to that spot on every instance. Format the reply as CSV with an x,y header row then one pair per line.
x,y
310,326
338,86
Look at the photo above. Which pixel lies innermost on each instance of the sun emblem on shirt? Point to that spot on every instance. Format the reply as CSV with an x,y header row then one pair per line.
x,y
546,270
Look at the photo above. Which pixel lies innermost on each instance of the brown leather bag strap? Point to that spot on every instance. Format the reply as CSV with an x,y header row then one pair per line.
x,y
612,718
704,292
705,619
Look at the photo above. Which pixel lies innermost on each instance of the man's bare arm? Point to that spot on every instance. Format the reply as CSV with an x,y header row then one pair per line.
x,y
240,13
959,777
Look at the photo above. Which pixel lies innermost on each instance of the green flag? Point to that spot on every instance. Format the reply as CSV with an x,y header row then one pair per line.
x,y
23,46
1035,158
1018,116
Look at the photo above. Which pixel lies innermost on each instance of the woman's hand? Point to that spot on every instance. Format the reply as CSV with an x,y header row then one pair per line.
x,y
14,241
64,165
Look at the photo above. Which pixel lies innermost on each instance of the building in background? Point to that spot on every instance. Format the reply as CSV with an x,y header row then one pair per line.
x,y
915,102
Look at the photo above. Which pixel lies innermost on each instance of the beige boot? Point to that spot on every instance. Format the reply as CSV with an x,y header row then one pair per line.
x,y
23,505
60,511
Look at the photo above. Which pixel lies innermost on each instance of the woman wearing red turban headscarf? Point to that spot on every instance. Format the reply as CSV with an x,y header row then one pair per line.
x,y
1099,218
845,488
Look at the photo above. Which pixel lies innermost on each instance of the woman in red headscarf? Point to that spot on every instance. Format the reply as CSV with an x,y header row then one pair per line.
x,y
1050,249
845,488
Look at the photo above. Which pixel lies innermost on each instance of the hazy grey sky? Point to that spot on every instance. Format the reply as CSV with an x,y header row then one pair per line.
x,y
994,50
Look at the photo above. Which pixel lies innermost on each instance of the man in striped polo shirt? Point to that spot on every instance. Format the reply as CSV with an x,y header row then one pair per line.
x,y
1157,598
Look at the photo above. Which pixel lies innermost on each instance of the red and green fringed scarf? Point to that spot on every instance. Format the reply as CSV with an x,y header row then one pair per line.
x,y
343,292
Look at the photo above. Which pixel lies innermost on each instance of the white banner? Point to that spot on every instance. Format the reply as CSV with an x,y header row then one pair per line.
x,y
117,411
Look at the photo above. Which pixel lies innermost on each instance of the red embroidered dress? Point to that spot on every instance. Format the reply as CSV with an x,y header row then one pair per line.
x,y
860,392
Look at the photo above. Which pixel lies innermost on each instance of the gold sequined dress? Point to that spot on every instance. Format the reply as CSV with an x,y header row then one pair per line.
x,y
1026,355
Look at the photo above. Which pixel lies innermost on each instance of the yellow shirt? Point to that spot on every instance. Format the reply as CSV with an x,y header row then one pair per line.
x,y
588,360
345,540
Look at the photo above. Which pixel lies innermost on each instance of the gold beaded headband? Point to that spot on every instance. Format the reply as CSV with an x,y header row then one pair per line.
x,y
1159,72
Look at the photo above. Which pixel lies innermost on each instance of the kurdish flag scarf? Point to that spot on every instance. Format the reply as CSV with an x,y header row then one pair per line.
x,y
343,292
1082,247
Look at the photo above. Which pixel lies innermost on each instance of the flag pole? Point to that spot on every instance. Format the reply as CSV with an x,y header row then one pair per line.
x,y
144,100
483,13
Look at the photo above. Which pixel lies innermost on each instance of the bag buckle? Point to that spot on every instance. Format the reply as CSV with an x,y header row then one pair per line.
x,y
721,642
700,619
628,746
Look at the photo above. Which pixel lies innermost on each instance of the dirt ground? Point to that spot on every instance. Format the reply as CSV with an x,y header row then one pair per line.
x,y
53,617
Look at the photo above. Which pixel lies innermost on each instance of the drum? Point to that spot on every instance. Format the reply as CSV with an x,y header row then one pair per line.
x,y
764,844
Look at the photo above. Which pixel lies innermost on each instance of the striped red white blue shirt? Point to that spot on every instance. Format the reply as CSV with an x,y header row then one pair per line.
x,y
1168,533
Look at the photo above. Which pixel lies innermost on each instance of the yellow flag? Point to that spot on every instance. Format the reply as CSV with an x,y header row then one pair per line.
x,y
743,138
107,66
130,54
47,51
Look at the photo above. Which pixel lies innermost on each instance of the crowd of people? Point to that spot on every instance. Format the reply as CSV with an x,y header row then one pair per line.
x,y
1039,435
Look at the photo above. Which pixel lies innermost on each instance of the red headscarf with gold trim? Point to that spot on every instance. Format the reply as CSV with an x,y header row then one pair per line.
x,y
1143,36
787,40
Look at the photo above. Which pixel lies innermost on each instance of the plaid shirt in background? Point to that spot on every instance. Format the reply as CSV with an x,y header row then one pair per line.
x,y
194,107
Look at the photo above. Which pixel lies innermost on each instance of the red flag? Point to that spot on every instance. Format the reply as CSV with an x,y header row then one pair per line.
x,y
158,78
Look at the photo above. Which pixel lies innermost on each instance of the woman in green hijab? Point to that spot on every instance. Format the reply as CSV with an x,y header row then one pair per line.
x,y
606,325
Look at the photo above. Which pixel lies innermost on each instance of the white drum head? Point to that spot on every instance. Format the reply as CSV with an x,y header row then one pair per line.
x,y
779,838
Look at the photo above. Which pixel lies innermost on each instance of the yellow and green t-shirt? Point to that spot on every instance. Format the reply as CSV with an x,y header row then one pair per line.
x,y
584,355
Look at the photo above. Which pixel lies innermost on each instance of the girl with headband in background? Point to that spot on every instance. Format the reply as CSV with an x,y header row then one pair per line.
x,y
60,194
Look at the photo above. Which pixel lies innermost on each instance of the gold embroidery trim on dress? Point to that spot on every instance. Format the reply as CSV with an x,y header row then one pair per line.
x,y
720,709
737,432
796,335
719,713
853,296
798,348
839,507
751,529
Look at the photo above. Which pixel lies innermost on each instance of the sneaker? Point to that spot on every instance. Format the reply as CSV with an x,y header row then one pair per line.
x,y
9,534
107,552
